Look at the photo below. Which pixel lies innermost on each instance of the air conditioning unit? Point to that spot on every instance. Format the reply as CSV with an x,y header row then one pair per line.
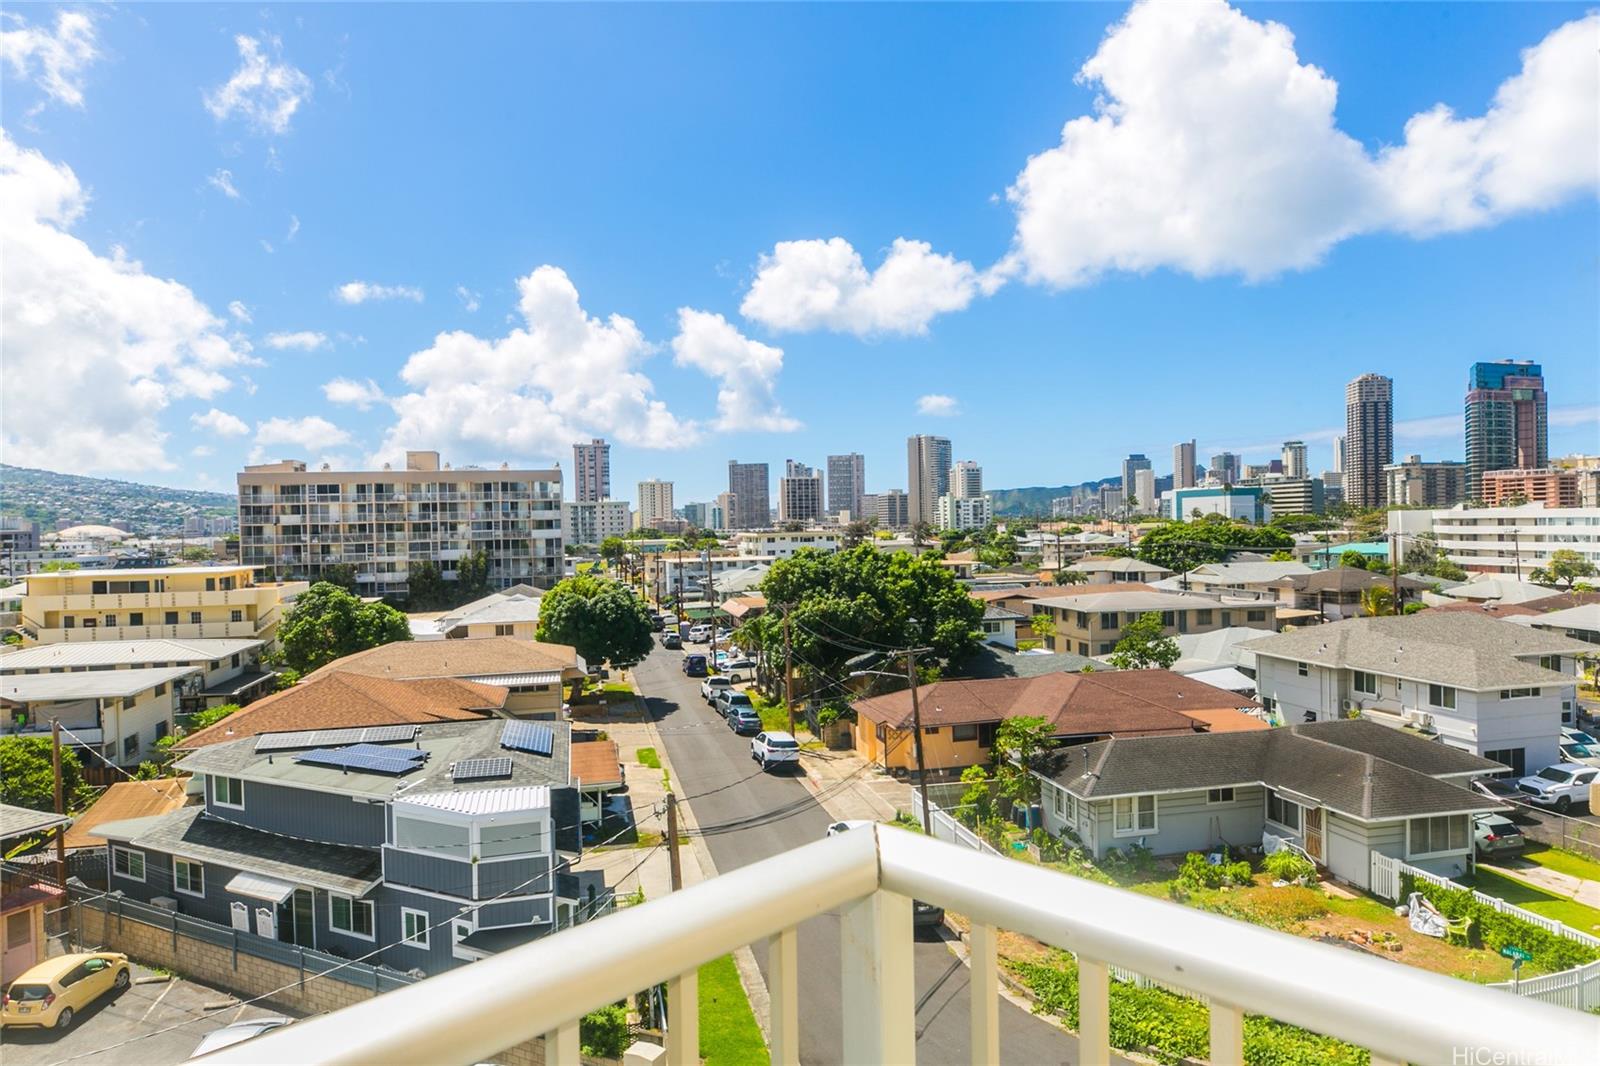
x,y
1348,705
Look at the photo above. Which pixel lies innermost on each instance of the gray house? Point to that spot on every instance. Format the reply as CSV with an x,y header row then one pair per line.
x,y
440,843
1338,790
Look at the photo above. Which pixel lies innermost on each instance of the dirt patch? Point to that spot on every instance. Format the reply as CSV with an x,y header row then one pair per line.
x,y
1414,949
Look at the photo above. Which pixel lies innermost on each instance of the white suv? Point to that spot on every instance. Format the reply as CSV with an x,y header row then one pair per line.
x,y
1559,786
769,749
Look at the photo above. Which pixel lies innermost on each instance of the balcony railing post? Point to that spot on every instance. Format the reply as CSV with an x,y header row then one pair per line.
x,y
683,1019
783,973
561,1047
1094,1010
878,982
985,993
1227,1035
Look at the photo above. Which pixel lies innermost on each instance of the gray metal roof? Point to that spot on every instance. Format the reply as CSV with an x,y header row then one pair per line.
x,y
190,833
88,684
1462,649
1359,768
111,653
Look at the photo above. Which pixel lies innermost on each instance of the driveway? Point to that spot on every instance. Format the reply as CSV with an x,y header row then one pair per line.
x,y
747,816
150,1024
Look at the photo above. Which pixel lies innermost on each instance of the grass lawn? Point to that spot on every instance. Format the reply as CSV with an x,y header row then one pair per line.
x,y
1519,894
772,712
728,1030
648,757
1564,862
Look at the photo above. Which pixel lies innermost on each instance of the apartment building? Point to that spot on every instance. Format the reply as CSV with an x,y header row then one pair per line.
x,y
1294,459
1130,468
295,523
847,483
592,521
1505,540
1243,504
966,480
1507,424
180,603
1369,438
800,496
230,669
1547,486
591,471
1587,467
779,545
892,509
1183,463
1414,483
655,504
1498,690
927,474
749,496
1092,622
962,512
117,714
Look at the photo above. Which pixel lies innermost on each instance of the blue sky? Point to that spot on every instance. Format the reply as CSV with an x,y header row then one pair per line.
x,y
1212,252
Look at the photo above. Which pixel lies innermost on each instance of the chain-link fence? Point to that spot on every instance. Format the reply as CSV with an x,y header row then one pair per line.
x,y
1580,835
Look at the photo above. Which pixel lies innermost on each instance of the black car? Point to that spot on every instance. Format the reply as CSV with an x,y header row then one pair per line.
x,y
694,665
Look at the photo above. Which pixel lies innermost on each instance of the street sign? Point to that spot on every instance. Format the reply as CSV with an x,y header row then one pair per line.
x,y
1515,954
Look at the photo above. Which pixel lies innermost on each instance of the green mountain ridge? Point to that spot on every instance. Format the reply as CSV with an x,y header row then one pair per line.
x,y
49,498
1035,499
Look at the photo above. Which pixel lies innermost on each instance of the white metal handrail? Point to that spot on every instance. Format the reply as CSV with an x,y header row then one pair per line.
x,y
543,988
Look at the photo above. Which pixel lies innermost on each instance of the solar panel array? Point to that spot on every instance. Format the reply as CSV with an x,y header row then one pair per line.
x,y
369,757
333,738
536,737
481,769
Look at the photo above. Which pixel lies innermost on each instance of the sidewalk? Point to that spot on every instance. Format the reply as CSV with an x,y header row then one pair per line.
x,y
849,787
1574,888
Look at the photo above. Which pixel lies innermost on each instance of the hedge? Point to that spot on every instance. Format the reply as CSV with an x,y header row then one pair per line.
x,y
1551,952
1174,1027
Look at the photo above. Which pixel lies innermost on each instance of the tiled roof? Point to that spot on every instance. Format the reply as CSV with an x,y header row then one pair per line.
x,y
1458,648
469,658
124,800
335,700
1355,767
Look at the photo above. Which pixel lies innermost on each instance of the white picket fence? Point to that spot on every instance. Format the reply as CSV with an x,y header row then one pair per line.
x,y
946,827
1578,988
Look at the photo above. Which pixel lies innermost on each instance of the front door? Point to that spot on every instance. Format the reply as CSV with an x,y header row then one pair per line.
x,y
300,926
1314,834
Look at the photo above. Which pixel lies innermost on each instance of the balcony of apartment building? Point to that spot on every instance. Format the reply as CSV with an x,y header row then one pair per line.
x,y
870,878
43,634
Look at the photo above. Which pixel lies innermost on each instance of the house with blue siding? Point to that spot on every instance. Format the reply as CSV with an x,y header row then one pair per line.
x,y
432,844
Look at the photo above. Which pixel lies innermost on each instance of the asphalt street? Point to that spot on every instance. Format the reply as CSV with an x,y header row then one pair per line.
x,y
715,773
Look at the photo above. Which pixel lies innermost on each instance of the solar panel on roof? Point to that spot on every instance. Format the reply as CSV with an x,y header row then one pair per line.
x,y
333,738
536,737
480,769
385,751
379,760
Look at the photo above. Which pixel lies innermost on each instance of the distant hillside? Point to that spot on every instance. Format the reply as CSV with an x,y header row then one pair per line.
x,y
1035,500
49,498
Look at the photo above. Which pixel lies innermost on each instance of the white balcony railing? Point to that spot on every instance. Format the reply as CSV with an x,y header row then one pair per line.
x,y
544,988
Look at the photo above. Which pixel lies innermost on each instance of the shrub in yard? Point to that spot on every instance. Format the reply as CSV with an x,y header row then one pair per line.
x,y
604,1033
1276,908
1494,930
1198,873
1285,865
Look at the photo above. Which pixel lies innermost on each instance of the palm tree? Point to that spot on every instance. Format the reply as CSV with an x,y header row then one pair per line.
x,y
921,532
1070,577
1376,601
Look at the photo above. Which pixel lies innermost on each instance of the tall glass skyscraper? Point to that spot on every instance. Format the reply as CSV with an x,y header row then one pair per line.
x,y
1507,420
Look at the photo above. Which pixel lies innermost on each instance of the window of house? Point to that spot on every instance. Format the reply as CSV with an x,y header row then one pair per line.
x,y
986,731
502,631
188,877
130,745
160,690
161,729
347,915
1362,681
1269,704
1106,648
963,732
1518,693
1203,618
1169,619
211,584
1302,669
1515,758
1255,616
170,618
227,792
126,862
881,732
1083,648
1285,812
1219,795
236,615
1429,836
111,621
1056,801
1442,696
414,927
1133,814
510,838
235,660
436,838
1108,619
194,618
1551,662
930,730
136,618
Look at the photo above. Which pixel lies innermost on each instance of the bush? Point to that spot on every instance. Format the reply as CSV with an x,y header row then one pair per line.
x,y
1285,909
604,1033
1493,930
1197,873
1286,865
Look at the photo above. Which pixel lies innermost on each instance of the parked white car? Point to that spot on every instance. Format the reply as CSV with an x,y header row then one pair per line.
x,y
714,686
1559,786
770,749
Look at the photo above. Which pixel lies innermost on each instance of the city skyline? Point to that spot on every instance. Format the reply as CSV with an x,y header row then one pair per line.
x,y
209,171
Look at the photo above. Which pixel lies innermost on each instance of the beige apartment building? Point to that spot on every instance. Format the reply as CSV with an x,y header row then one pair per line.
x,y
295,522
178,603
1091,623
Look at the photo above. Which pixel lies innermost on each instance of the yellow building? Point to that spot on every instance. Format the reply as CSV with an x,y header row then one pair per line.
x,y
182,602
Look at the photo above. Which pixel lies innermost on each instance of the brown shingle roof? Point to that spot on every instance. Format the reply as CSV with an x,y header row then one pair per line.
x,y
596,763
1121,703
123,800
329,701
472,657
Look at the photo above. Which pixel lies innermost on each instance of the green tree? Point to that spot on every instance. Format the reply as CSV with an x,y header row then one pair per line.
x,y
599,617
921,533
1352,560
1017,745
1043,624
1182,546
197,554
55,565
1281,557
1069,577
1144,645
426,588
978,799
341,574
613,550
1377,601
858,531
27,780
211,716
472,575
1564,567
328,623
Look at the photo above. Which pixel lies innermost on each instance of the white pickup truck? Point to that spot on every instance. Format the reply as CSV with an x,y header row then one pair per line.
x,y
1559,786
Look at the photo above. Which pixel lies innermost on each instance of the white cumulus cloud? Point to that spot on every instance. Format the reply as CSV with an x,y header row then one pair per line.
x,y
360,292
222,180
265,91
304,340
239,311
938,405
221,423
469,299
746,371
54,61
560,376
362,394
310,434
90,339
1214,149
816,284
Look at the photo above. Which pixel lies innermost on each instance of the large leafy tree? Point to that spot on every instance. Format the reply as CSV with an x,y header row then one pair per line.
x,y
599,617
328,623
1182,546
472,575
1145,645
425,587
1018,743
27,780
1564,567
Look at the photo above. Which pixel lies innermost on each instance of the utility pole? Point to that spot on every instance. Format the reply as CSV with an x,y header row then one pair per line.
x,y
1394,569
673,860
711,597
916,724
61,808
788,668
